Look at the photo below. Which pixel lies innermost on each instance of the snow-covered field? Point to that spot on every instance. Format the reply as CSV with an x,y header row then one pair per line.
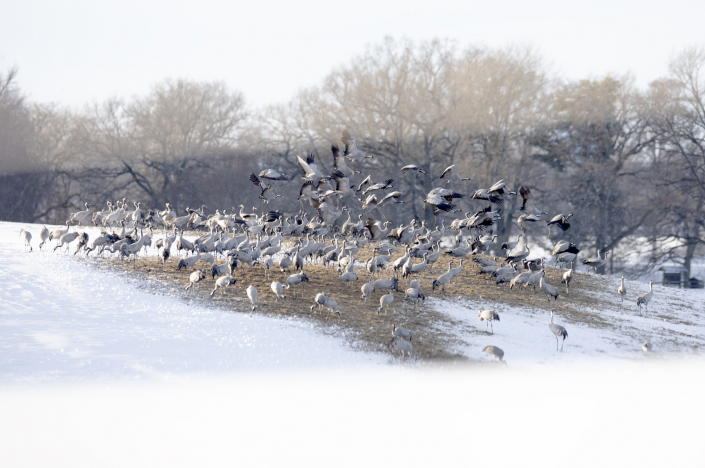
x,y
674,325
95,371
63,320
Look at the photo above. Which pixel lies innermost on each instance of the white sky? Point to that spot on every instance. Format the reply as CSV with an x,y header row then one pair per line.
x,y
82,51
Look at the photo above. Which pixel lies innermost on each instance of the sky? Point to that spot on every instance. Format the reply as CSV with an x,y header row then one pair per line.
x,y
78,52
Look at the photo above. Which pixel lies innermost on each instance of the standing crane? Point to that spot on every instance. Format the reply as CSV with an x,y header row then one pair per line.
x,y
489,316
557,330
645,298
622,291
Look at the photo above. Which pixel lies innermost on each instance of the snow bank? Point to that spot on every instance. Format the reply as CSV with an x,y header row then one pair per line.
x,y
615,415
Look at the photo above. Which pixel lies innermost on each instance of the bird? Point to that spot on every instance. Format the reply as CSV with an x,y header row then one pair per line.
x,y
527,218
647,347
596,263
194,278
351,149
525,193
367,289
495,352
557,330
329,303
278,289
81,215
252,296
26,237
223,282
384,302
410,167
377,187
387,284
443,279
66,239
560,221
401,345
449,175
400,332
509,246
415,294
271,174
622,291
267,194
43,235
339,163
296,279
645,298
309,167
57,233
567,277
550,291
349,277
489,316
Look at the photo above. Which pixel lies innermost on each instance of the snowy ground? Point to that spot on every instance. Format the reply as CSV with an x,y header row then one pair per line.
x,y
674,325
63,320
96,372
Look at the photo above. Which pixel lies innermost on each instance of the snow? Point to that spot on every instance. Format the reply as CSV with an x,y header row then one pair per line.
x,y
64,320
95,371
674,324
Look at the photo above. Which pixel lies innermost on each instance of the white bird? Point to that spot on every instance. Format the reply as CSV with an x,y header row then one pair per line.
x,y
622,291
223,282
557,330
43,235
81,215
57,233
309,167
647,347
252,296
567,277
278,289
367,289
495,352
26,237
384,302
194,278
349,277
645,298
351,149
328,302
66,239
414,294
489,316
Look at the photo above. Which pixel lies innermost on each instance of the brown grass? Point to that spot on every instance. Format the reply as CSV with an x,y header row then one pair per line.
x,y
363,327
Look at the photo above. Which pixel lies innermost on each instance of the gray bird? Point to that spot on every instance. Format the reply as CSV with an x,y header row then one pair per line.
x,y
495,352
557,330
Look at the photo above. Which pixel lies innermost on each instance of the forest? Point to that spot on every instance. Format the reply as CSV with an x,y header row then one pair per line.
x,y
628,162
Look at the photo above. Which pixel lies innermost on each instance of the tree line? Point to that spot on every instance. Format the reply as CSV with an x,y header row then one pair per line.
x,y
629,163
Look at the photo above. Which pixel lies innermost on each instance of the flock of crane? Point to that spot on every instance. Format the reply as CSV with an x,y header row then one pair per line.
x,y
260,239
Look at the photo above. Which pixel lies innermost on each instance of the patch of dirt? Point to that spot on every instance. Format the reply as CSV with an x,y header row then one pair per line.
x,y
360,324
